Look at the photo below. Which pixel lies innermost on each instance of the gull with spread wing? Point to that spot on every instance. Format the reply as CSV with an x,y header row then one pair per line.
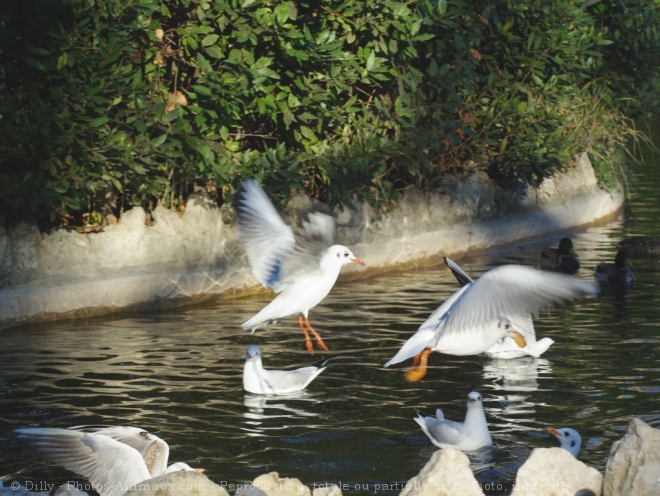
x,y
469,435
258,380
482,312
507,347
112,458
302,271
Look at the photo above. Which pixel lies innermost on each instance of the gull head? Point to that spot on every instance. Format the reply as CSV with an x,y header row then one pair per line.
x,y
341,255
474,398
252,351
569,439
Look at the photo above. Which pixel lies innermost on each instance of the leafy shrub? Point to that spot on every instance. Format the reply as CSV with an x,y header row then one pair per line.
x,y
114,103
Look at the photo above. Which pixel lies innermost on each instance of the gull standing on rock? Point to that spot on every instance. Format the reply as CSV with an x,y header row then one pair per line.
x,y
112,458
258,380
482,312
302,272
569,439
467,436
507,347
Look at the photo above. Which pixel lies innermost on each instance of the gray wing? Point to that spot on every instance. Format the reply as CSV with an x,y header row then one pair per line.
x,y
153,449
512,290
112,467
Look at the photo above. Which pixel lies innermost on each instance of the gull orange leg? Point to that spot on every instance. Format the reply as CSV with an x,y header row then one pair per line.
x,y
308,340
319,340
418,370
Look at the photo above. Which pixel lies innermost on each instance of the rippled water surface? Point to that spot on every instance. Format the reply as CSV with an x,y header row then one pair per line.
x,y
178,374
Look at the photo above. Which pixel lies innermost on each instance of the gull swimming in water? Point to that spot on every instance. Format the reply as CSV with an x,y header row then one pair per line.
x,y
112,458
482,312
302,271
569,439
507,347
469,435
258,380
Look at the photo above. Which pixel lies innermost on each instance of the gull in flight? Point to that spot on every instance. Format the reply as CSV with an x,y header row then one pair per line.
x,y
467,436
569,439
507,347
258,380
113,458
302,271
482,312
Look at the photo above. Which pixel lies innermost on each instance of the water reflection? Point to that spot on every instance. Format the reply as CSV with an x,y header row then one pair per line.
x,y
178,374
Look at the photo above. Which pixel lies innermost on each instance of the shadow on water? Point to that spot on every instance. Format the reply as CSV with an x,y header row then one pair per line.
x,y
178,374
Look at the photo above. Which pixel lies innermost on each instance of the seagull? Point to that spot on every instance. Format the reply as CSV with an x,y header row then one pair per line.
x,y
467,436
258,380
302,271
617,273
482,312
569,439
562,259
112,458
506,347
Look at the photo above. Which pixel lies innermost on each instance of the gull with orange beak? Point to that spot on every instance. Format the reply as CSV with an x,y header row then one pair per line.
x,y
484,311
569,439
302,269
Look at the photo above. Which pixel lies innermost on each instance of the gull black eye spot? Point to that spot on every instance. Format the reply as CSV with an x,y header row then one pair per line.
x,y
572,444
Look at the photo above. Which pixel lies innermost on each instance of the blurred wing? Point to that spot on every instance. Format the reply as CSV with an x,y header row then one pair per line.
x,y
427,334
316,237
109,465
153,449
512,290
268,241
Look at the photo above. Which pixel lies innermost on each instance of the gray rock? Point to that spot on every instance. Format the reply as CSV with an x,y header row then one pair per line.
x,y
447,473
274,485
633,467
555,472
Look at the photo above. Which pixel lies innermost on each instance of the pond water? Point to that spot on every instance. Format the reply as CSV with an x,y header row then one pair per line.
x,y
178,374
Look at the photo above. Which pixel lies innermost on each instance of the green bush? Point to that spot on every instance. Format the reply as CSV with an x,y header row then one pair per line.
x,y
114,103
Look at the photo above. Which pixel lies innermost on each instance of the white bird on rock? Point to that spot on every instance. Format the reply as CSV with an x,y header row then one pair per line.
x,y
482,312
569,439
258,380
507,347
303,272
112,458
469,435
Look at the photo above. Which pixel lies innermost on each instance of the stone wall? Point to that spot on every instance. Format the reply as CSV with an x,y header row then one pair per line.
x,y
133,266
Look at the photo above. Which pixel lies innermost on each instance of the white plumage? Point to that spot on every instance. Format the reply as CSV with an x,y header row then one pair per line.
x,y
302,271
506,347
469,435
481,313
258,380
112,458
569,439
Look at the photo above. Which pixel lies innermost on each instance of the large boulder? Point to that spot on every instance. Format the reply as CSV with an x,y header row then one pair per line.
x,y
274,485
633,467
447,473
555,472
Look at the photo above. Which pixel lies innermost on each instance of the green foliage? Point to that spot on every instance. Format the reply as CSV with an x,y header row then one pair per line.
x,y
114,103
